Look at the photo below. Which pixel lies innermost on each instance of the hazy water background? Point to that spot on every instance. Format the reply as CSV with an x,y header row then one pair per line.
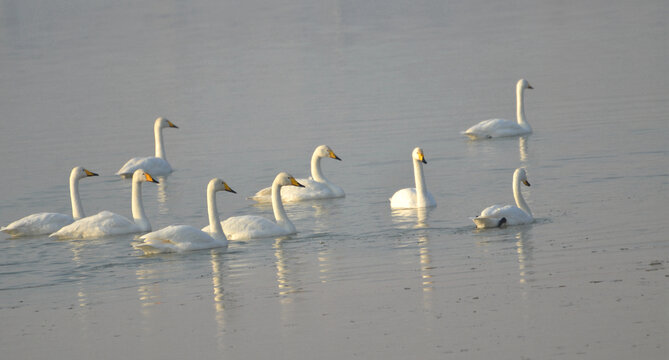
x,y
255,87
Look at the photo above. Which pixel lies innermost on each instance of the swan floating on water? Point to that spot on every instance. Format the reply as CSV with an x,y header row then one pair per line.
x,y
252,227
498,215
418,197
156,165
501,127
46,223
315,187
107,223
177,238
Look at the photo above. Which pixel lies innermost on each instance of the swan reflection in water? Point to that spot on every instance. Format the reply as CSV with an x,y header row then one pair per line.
x,y
411,218
217,278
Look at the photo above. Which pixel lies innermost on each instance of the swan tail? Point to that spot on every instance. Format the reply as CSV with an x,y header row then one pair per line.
x,y
262,195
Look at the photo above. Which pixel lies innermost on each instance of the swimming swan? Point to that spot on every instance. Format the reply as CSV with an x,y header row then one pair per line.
x,y
315,187
252,227
500,127
176,238
156,165
106,223
46,223
498,215
418,197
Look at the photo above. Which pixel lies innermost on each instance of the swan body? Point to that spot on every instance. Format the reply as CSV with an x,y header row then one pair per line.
x,y
499,215
106,223
501,127
315,187
418,197
46,223
156,165
177,238
252,227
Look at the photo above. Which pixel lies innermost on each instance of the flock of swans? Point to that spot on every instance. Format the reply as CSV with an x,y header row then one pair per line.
x,y
285,188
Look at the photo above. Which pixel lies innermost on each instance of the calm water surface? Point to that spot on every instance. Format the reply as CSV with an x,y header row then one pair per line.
x,y
254,88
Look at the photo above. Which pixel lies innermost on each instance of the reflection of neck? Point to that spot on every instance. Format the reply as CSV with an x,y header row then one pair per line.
x,y
421,189
137,207
77,209
316,172
520,107
277,206
214,223
520,201
158,138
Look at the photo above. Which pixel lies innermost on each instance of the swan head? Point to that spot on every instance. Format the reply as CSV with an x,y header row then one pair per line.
x,y
285,179
521,175
325,151
523,84
80,173
219,185
162,123
418,155
142,176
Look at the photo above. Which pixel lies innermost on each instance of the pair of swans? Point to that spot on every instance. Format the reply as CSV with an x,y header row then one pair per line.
x,y
46,222
176,238
156,165
494,128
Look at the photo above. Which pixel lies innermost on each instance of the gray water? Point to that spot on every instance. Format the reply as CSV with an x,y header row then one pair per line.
x,y
254,87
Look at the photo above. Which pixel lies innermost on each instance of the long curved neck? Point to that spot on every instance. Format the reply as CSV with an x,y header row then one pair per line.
x,y
316,172
212,210
520,108
158,137
421,188
138,207
277,206
77,209
518,196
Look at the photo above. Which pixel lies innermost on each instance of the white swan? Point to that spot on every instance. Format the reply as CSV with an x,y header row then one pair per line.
x,y
106,223
46,223
315,187
252,227
418,197
156,165
498,215
501,127
176,238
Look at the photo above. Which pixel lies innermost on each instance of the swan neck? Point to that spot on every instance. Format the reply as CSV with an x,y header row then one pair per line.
x,y
316,172
277,206
421,188
520,108
212,210
77,209
518,196
158,138
138,213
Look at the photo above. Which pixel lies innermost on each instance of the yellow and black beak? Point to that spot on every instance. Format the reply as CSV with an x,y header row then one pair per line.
x,y
172,124
294,182
332,155
150,178
421,157
227,188
90,173
527,183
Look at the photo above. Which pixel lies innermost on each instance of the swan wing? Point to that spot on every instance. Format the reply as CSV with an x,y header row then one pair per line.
x,y
312,190
492,215
104,223
176,238
37,224
151,164
404,199
251,227
495,128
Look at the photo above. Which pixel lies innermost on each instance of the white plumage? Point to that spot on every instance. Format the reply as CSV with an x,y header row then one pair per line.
x,y
156,165
418,197
499,215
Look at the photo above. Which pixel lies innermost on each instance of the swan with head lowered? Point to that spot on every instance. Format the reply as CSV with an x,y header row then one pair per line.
x,y
315,187
177,238
156,165
494,128
498,215
252,227
418,197
106,223
46,223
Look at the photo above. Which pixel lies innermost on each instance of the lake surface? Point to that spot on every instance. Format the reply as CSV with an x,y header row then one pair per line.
x,y
254,87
